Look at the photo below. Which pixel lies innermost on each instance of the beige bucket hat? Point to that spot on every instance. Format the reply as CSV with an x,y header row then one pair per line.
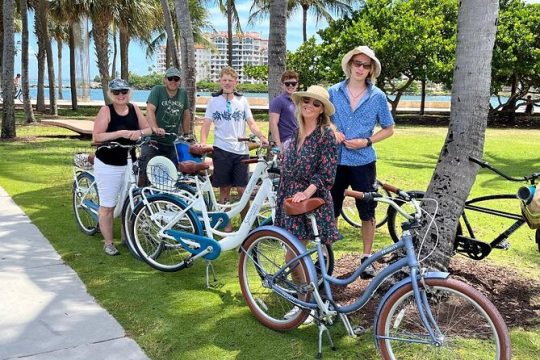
x,y
315,92
361,50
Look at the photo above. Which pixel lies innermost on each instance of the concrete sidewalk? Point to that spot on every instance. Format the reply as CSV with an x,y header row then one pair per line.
x,y
45,311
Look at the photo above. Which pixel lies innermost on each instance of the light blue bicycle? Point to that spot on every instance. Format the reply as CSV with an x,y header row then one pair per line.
x,y
427,315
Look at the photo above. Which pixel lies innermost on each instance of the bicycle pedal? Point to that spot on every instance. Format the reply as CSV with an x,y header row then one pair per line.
x,y
504,245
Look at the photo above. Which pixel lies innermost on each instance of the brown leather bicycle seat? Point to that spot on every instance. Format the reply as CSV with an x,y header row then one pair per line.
x,y
191,167
252,160
200,150
302,207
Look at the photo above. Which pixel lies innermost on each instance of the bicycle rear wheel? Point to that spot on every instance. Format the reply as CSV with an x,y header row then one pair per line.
x,y
261,256
159,252
85,202
470,326
351,216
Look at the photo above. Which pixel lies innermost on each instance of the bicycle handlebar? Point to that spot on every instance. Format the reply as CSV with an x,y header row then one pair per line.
x,y
375,196
484,164
114,144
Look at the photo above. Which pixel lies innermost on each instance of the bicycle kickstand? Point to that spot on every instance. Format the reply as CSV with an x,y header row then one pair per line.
x,y
322,328
209,267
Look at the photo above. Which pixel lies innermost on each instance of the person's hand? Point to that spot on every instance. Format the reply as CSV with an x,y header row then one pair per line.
x,y
299,197
159,131
200,144
126,134
135,135
264,141
355,143
340,137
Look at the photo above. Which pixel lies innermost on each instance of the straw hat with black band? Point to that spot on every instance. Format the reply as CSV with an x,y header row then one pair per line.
x,y
315,92
374,73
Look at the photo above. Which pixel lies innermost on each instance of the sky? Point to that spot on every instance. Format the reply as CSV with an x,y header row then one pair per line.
x,y
139,64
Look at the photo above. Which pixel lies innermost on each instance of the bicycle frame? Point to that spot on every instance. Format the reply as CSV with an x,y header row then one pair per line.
x,y
230,240
328,308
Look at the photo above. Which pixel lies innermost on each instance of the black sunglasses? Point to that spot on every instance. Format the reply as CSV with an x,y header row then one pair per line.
x,y
290,83
173,78
316,103
117,92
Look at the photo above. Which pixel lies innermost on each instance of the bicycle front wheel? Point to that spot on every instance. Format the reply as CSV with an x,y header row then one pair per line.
x,y
85,201
160,252
469,325
262,255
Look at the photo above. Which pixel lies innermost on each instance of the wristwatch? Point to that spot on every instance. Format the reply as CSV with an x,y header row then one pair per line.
x,y
368,142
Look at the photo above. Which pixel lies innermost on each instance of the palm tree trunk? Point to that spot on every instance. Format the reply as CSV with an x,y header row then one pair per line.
x,y
304,22
72,70
171,40
100,33
124,53
1,40
186,30
43,10
229,32
455,174
59,45
28,111
277,46
41,55
115,52
8,57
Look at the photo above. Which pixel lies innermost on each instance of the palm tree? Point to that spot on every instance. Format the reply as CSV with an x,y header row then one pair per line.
x,y
455,174
171,39
101,14
8,62
261,8
188,52
28,110
228,7
60,33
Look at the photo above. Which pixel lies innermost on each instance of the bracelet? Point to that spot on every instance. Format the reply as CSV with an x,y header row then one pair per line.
x,y
368,142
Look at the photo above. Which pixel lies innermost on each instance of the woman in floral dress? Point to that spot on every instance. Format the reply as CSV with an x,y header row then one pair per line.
x,y
309,165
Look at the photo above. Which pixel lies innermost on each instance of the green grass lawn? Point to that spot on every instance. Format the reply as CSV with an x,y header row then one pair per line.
x,y
173,315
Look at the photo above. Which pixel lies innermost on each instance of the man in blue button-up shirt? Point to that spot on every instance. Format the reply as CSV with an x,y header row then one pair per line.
x,y
360,106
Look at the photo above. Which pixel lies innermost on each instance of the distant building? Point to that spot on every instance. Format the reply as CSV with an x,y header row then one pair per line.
x,y
248,48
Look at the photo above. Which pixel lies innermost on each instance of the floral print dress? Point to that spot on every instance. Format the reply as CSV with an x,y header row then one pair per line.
x,y
314,163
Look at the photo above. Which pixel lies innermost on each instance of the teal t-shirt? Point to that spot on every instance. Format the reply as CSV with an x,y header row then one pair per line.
x,y
169,110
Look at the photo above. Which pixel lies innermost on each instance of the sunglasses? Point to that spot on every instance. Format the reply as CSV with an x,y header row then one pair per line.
x,y
118,92
316,103
228,106
359,64
173,78
290,83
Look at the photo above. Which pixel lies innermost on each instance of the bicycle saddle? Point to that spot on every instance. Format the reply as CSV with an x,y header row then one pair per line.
x,y
302,207
191,167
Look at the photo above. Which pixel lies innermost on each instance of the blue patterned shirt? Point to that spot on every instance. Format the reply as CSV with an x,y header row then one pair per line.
x,y
360,123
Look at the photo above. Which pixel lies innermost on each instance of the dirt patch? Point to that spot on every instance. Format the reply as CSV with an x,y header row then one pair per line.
x,y
517,298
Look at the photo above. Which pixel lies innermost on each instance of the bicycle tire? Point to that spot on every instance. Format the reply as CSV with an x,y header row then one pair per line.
x,y
469,324
351,216
87,221
127,219
148,219
266,305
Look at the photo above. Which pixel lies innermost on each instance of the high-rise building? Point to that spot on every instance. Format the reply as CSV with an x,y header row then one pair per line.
x,y
248,49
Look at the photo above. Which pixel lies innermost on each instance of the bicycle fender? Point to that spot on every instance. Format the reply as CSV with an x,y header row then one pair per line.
x,y
293,239
393,289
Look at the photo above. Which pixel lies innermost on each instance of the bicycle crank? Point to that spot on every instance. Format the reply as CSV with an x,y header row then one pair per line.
x,y
473,248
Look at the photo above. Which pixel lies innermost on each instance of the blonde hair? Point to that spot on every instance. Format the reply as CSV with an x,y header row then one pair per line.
x,y
323,122
227,70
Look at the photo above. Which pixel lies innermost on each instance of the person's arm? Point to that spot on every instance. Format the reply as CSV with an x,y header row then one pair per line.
x,y
144,128
255,130
274,129
186,122
205,129
100,134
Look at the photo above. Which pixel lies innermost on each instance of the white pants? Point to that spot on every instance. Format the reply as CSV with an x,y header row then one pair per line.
x,y
109,180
